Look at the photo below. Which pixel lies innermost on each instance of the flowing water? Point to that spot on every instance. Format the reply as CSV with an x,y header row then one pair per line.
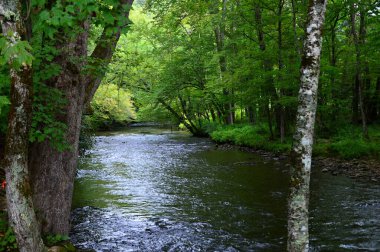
x,y
148,189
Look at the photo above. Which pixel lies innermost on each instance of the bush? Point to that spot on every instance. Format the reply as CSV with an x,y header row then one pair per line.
x,y
347,142
254,136
351,148
111,106
7,237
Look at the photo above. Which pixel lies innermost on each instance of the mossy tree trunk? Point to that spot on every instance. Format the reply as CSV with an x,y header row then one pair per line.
x,y
298,207
19,197
53,171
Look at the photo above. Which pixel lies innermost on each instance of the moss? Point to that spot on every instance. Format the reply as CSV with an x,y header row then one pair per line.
x,y
25,188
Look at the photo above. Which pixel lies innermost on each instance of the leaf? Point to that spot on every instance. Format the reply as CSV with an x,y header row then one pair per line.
x,y
108,18
4,101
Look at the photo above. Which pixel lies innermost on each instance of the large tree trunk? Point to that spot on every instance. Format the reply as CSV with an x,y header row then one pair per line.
x,y
298,207
19,196
54,171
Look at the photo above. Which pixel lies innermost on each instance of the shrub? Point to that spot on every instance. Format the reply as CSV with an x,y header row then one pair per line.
x,y
352,148
7,237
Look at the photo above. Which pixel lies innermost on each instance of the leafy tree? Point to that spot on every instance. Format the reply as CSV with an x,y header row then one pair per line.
x,y
111,106
67,72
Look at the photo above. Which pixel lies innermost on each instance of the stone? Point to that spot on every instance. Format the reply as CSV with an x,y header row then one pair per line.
x,y
57,249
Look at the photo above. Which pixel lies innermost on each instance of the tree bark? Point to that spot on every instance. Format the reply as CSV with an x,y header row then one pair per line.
x,y
19,196
298,228
53,171
358,68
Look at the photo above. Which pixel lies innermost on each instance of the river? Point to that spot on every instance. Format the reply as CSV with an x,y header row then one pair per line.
x,y
148,189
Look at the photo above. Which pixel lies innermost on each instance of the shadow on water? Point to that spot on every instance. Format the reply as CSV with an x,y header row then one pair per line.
x,y
154,190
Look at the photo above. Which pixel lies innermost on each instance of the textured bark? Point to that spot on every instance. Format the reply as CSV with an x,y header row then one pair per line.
x,y
19,199
54,171
298,207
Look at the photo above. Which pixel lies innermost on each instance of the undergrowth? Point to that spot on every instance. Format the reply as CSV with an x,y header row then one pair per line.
x,y
347,143
7,237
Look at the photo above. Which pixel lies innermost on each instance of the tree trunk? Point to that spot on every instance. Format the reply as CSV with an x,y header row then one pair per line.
x,y
53,171
359,66
333,61
280,108
251,114
298,228
355,100
219,39
269,89
377,98
19,196
181,118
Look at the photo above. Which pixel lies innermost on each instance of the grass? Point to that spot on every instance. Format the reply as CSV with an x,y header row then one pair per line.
x,y
346,143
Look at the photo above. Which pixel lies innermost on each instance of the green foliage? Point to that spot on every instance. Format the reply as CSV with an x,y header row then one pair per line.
x,y
111,106
15,51
256,137
169,67
57,239
352,148
4,102
348,143
8,241
45,124
343,145
7,237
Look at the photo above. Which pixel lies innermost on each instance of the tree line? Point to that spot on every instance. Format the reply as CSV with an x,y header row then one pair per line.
x,y
200,63
238,61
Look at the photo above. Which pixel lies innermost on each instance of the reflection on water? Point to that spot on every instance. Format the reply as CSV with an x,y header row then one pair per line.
x,y
151,190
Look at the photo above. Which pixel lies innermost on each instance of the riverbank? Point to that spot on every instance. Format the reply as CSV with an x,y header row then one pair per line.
x,y
346,143
344,153
363,169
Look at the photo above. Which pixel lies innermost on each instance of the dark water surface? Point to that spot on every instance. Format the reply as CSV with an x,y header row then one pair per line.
x,y
152,190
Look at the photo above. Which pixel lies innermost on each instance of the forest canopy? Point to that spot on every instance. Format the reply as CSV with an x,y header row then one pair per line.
x,y
205,64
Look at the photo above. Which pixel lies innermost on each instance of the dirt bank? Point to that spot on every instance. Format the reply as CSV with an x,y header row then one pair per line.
x,y
363,169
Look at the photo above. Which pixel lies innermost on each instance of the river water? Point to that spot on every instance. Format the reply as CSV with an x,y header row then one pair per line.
x,y
148,189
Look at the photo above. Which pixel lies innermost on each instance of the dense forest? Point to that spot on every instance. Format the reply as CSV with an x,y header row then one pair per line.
x,y
226,69
209,66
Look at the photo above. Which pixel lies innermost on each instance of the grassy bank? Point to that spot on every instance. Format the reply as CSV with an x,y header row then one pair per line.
x,y
347,143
